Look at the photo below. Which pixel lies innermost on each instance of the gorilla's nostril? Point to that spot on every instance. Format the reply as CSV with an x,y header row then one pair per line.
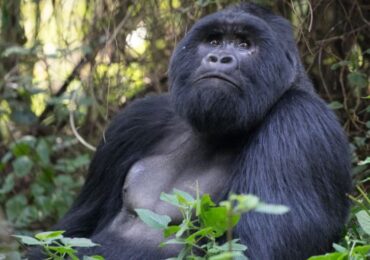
x,y
212,58
226,59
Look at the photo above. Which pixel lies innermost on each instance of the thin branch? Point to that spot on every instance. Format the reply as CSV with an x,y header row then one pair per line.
x,y
72,108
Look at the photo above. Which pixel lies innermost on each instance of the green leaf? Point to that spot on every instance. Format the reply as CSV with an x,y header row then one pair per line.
x,y
339,64
22,166
271,208
362,249
236,246
23,117
43,152
6,158
363,219
152,219
170,230
26,240
331,256
172,242
246,202
335,105
206,201
357,79
50,235
217,218
228,256
15,206
72,256
93,257
204,204
366,161
23,146
170,198
340,248
199,234
184,195
8,184
78,242
62,249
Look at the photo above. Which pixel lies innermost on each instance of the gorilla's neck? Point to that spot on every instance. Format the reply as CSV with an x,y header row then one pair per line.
x,y
220,139
223,141
211,139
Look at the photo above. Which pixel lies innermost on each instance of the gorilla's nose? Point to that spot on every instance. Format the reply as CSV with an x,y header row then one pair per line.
x,y
220,61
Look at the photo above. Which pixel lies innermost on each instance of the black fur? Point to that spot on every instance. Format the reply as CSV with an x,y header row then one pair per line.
x,y
290,148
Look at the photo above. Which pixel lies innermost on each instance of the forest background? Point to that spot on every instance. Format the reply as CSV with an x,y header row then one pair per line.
x,y
68,66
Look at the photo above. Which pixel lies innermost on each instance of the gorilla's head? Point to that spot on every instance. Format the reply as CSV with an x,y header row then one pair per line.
x,y
231,68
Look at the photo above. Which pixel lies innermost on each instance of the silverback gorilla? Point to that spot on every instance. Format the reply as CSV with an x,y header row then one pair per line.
x,y
242,117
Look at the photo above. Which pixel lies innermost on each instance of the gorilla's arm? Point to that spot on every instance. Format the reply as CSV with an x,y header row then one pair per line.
x,y
131,134
298,158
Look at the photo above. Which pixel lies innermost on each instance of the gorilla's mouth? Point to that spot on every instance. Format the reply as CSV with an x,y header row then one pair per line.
x,y
218,76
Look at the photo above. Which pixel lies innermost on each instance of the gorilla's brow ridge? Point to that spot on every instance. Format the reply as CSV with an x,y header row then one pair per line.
x,y
243,24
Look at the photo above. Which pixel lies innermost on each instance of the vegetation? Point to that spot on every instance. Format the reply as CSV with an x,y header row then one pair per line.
x,y
203,222
68,66
58,247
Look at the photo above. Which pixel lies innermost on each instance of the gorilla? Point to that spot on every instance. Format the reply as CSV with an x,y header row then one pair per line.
x,y
242,117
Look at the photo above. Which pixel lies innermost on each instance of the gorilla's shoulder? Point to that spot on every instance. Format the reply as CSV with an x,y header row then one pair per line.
x,y
153,101
147,112
303,99
307,109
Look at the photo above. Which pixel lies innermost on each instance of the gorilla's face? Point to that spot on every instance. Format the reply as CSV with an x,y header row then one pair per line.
x,y
230,69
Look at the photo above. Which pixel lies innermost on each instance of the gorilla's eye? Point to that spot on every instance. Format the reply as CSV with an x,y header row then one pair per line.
x,y
244,44
214,39
215,42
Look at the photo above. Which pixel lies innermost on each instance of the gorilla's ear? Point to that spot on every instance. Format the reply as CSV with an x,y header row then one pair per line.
x,y
292,59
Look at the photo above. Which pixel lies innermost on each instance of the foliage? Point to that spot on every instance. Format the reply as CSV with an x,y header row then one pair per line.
x,y
68,66
58,247
356,243
204,222
39,187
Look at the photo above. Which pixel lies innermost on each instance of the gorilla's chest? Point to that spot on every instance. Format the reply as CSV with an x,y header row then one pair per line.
x,y
178,163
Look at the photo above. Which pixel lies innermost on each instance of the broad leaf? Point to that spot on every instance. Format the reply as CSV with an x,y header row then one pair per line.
x,y
152,219
170,198
364,219
363,250
29,240
184,195
217,218
335,105
62,249
236,246
228,255
50,235
245,202
340,248
170,231
93,257
331,256
366,161
199,234
78,242
22,166
43,152
271,209
171,242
